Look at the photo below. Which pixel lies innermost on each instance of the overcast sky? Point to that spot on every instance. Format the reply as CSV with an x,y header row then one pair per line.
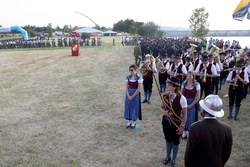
x,y
107,12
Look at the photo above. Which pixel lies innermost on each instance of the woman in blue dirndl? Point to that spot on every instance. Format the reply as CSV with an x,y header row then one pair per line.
x,y
132,108
191,90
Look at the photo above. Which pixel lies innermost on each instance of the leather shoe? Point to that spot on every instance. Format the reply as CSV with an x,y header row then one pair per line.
x,y
144,101
166,161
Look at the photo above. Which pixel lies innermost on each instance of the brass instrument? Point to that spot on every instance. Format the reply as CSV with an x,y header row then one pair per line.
x,y
174,73
214,50
144,67
159,65
193,46
236,79
169,107
203,77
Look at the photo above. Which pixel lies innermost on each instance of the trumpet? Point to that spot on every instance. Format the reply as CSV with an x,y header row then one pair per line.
x,y
168,105
203,77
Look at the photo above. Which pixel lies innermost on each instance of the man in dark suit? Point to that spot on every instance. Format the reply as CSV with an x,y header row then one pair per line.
x,y
210,140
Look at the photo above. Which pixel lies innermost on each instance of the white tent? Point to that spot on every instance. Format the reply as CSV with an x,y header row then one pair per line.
x,y
88,30
110,33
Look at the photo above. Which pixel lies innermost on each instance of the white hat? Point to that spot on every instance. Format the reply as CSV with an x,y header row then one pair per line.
x,y
147,55
213,105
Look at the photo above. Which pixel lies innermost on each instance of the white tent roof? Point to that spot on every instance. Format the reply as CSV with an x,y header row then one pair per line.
x,y
110,32
88,30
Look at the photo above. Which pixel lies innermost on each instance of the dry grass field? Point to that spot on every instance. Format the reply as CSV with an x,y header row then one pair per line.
x,y
64,111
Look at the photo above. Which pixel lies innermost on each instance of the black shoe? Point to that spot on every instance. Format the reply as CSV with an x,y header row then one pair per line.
x,y
148,102
166,161
229,117
173,163
236,119
144,101
132,127
127,126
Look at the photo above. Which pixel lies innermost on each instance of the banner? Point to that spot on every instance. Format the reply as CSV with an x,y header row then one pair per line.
x,y
3,30
241,10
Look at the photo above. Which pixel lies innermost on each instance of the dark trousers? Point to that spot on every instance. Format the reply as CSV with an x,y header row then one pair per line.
x,y
215,83
246,90
162,79
206,88
147,84
170,132
235,96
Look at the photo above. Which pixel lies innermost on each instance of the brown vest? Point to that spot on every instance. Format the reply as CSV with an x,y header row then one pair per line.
x,y
149,74
175,105
239,83
209,71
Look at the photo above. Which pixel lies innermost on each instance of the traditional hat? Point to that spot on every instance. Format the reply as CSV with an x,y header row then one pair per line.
x,y
174,80
177,56
188,59
213,105
223,53
239,63
204,58
195,52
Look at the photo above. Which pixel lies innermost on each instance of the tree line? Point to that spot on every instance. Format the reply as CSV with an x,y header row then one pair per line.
x,y
149,29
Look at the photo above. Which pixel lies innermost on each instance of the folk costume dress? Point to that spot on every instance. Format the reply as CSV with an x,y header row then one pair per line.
x,y
190,93
132,108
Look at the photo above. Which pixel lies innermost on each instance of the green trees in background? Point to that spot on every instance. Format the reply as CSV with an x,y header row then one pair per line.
x,y
198,23
49,30
148,29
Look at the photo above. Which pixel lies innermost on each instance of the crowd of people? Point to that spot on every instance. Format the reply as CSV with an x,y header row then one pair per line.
x,y
192,72
42,42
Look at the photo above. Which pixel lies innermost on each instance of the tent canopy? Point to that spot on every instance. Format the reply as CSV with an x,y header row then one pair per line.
x,y
88,30
110,32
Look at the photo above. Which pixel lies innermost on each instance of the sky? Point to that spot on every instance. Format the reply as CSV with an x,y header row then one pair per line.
x,y
174,13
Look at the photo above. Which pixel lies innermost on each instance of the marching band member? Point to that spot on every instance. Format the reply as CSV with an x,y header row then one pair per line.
x,y
196,59
184,55
178,68
132,108
225,64
237,79
173,125
206,71
148,79
191,91
189,65
215,80
163,76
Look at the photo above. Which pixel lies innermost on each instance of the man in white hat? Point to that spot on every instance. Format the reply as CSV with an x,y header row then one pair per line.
x,y
210,140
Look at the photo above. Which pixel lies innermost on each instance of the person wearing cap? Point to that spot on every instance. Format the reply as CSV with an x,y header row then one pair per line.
x,y
184,55
236,79
215,80
247,70
189,66
211,72
173,126
177,65
148,79
210,140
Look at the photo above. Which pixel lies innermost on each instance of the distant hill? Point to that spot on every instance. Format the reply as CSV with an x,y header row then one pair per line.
x,y
169,28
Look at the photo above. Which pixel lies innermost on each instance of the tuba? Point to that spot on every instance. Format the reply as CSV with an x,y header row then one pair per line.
x,y
159,65
173,117
214,50
193,46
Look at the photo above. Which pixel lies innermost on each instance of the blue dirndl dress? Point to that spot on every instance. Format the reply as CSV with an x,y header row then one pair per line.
x,y
132,108
190,96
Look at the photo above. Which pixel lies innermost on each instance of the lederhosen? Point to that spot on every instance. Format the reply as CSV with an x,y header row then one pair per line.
x,y
179,70
169,129
206,86
148,81
236,92
163,76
